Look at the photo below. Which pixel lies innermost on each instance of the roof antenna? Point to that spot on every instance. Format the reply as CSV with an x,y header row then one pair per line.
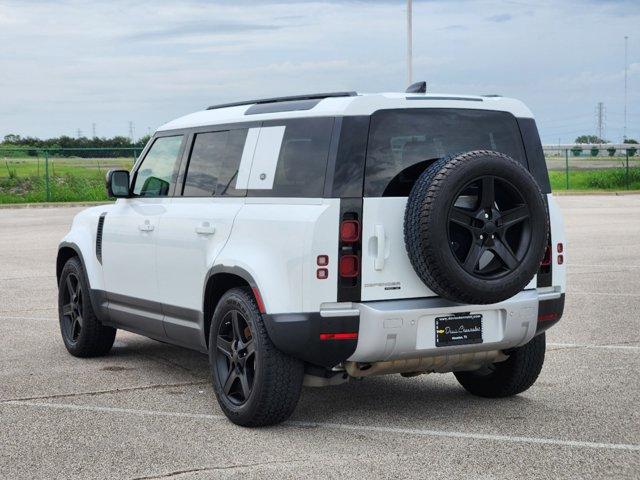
x,y
418,87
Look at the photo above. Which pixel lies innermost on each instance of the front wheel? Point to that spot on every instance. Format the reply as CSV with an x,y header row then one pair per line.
x,y
256,384
511,377
82,332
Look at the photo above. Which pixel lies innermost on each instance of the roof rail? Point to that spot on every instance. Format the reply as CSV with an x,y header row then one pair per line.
x,y
313,96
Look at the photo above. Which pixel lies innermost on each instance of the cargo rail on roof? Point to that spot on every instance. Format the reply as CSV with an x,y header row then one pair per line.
x,y
313,96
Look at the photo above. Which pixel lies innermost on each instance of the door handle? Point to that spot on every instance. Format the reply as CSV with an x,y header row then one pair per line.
x,y
205,229
378,263
146,227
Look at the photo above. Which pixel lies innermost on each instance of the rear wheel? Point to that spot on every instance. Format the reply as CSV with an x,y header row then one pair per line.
x,y
82,332
511,377
255,383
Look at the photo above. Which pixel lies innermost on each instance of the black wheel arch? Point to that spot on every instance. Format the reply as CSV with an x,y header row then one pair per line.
x,y
219,280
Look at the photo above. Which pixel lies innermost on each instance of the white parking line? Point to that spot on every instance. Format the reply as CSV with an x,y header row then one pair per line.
x,y
584,345
604,294
344,427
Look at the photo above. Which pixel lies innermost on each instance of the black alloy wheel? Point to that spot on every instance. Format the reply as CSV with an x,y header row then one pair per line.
x,y
236,357
82,331
72,308
476,227
255,383
491,236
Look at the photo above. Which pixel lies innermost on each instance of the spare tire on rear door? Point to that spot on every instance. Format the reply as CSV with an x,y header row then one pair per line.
x,y
476,227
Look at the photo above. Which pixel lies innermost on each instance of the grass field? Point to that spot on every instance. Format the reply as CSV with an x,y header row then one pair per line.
x,y
70,179
22,180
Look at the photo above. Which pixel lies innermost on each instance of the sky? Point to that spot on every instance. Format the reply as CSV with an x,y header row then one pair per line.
x,y
70,64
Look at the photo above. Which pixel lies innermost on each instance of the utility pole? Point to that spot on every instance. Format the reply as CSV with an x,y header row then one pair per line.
x,y
624,135
600,116
131,130
79,133
410,42
93,130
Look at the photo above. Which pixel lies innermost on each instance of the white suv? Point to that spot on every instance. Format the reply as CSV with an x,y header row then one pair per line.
x,y
319,238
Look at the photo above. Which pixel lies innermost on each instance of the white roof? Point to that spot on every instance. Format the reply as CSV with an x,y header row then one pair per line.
x,y
361,104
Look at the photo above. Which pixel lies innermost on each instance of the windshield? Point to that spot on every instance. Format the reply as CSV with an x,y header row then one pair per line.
x,y
402,143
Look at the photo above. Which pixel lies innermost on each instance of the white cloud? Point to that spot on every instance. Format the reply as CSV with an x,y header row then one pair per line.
x,y
67,64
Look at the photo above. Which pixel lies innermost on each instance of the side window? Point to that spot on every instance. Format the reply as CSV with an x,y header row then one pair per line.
x,y
301,159
155,174
213,164
231,164
205,164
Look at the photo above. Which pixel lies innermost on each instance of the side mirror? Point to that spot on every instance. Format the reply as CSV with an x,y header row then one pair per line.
x,y
118,184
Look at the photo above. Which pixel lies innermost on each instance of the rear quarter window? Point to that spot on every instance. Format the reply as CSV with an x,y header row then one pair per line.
x,y
302,159
402,143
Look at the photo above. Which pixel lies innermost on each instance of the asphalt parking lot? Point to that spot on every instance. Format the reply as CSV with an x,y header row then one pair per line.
x,y
148,411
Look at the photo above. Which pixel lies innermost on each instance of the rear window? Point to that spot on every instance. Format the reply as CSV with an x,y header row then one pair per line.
x,y
402,143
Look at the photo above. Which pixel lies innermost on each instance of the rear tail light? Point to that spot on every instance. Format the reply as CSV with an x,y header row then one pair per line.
x,y
349,266
350,231
546,261
349,250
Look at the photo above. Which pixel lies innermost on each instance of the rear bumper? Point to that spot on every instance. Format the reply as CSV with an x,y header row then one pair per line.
x,y
404,329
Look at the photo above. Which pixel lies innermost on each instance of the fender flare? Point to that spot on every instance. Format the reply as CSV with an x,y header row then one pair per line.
x,y
96,297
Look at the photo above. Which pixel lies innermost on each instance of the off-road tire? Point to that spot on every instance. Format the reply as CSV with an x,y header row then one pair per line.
x,y
94,338
426,227
278,377
508,378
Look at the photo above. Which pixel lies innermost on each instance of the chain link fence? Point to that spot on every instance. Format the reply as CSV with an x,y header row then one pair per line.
x,y
593,166
29,175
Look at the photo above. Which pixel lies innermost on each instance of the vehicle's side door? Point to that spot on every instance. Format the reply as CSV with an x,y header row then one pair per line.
x,y
197,223
129,240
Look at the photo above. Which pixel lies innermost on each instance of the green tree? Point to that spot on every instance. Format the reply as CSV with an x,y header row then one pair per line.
x,y
590,139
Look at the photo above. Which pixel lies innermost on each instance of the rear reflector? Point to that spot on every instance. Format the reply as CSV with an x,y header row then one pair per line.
x,y
547,317
560,259
560,248
349,266
256,293
322,260
339,336
322,274
350,231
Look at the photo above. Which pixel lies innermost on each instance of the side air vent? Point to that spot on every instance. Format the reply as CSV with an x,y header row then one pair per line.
x,y
99,237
